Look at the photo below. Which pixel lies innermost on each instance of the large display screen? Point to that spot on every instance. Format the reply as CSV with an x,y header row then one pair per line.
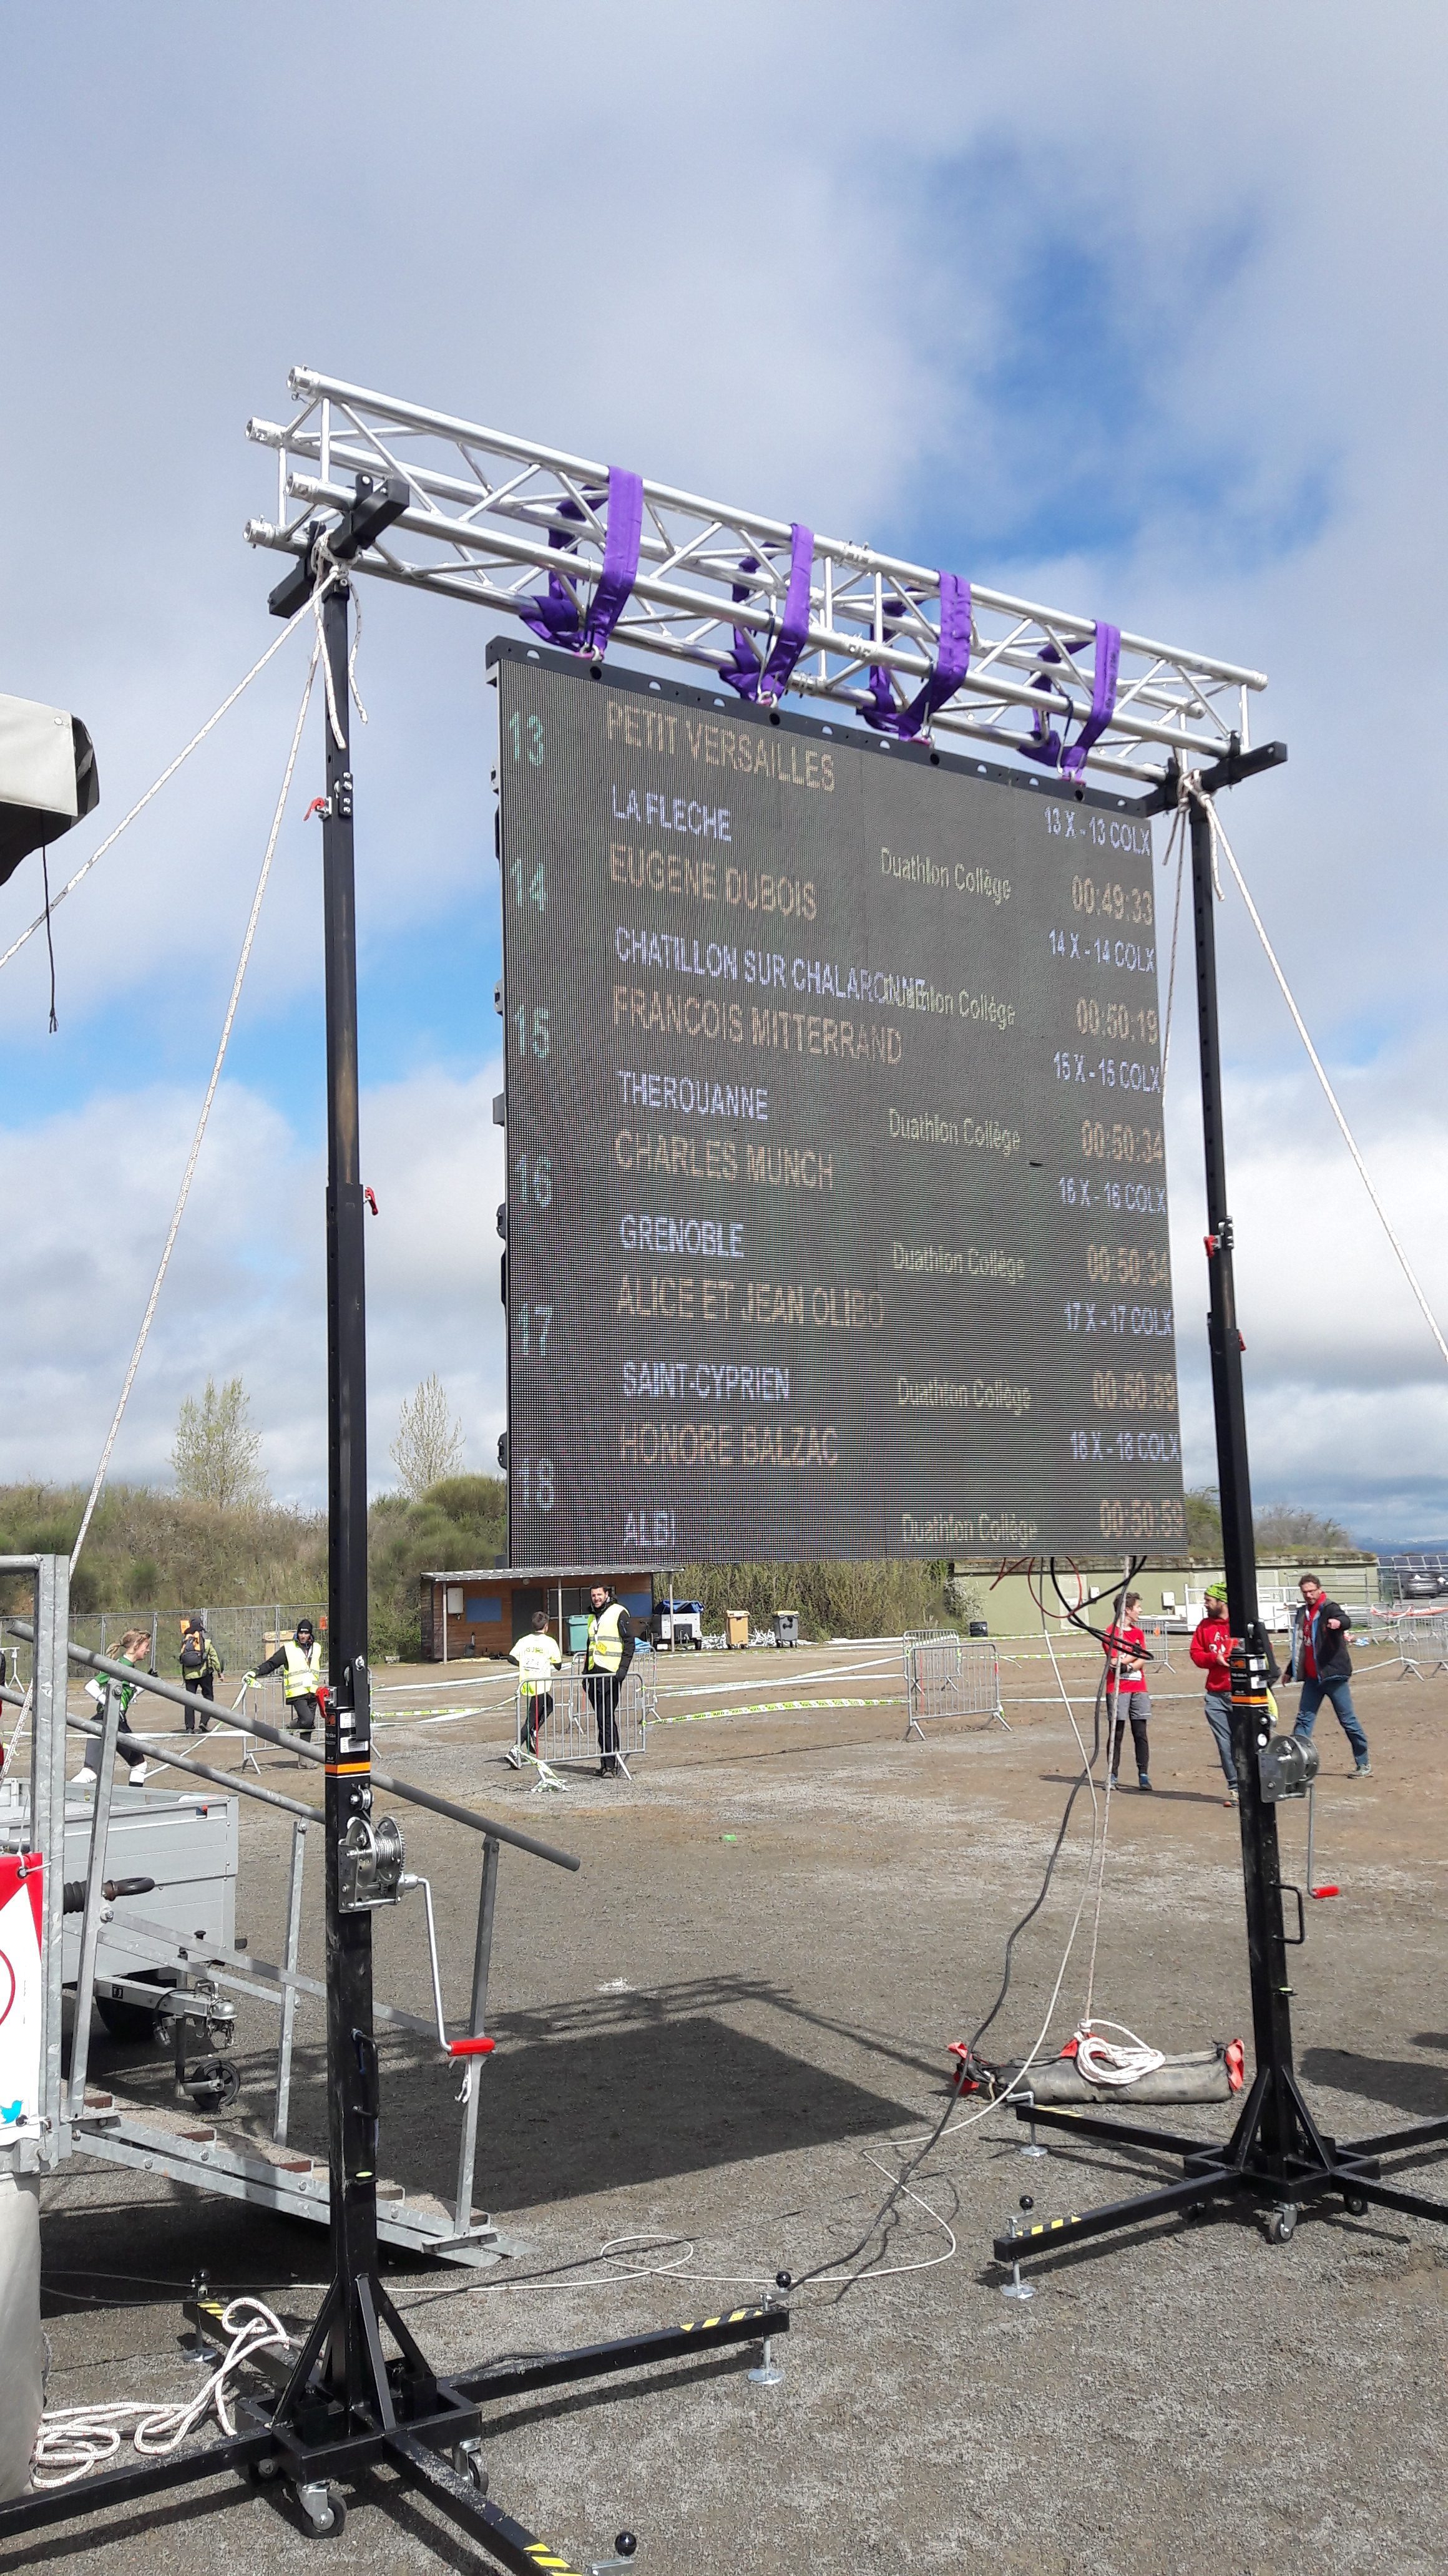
x,y
836,1215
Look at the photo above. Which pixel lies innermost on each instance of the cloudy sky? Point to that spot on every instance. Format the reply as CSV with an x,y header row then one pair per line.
x,y
1139,309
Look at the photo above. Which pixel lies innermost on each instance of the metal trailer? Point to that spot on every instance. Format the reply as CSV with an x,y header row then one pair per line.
x,y
169,1961
951,1676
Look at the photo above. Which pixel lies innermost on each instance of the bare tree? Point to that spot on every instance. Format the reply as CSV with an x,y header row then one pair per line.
x,y
216,1451
1295,1531
429,1445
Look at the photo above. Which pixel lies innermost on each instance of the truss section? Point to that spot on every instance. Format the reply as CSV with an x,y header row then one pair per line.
x,y
492,518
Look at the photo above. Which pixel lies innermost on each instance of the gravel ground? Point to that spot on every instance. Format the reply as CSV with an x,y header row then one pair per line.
x,y
715,2047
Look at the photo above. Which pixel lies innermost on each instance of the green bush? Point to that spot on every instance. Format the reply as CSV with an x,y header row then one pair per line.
x,y
149,1549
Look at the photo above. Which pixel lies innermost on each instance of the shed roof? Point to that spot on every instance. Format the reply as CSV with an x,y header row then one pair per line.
x,y
537,1573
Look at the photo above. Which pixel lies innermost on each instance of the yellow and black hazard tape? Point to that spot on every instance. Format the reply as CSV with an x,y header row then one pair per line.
x,y
769,1707
543,2556
1044,2227
735,2317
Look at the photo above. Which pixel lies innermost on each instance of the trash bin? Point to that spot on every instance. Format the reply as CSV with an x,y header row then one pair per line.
x,y
978,1628
786,1627
736,1627
577,1632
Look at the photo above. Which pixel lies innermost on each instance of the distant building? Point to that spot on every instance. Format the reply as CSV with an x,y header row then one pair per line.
x,y
484,1610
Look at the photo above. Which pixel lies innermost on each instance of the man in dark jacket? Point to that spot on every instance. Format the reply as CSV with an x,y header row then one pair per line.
x,y
1319,1659
609,1653
201,1668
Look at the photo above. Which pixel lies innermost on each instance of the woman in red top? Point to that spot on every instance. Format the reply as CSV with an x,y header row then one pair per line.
x,y
1209,1650
1126,1693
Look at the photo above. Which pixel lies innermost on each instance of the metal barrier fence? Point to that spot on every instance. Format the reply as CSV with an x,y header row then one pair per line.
x,y
950,1676
242,1637
568,1729
1421,1638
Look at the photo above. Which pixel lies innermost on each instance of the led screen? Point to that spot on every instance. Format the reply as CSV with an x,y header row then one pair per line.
x,y
836,1214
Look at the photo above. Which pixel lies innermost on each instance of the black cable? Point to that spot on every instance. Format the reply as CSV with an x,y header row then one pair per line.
x,y
49,942
1077,1785
887,2205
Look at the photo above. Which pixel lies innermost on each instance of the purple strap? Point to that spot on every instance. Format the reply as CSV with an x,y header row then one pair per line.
x,y
952,661
556,618
1103,698
743,671
1045,744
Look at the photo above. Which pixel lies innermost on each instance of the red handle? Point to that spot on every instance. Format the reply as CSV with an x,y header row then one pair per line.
x,y
471,2047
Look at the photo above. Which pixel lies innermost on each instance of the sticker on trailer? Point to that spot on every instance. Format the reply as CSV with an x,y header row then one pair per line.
x,y
20,1995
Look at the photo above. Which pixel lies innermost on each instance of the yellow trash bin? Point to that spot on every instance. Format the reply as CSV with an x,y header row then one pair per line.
x,y
737,1627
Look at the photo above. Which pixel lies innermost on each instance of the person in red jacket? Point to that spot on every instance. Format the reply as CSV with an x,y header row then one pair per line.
x,y
1126,1693
1210,1648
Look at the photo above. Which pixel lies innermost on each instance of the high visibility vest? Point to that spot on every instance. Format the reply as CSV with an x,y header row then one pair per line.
x,y
537,1659
605,1643
304,1670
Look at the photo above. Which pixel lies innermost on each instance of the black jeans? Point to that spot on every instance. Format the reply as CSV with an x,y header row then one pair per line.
x,y
204,1687
535,1711
302,1714
603,1689
1127,1708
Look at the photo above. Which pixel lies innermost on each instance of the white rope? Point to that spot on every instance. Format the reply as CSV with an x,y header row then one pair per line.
x,y
75,2439
142,802
185,1191
1114,1719
20,1725
1177,838
1220,837
1101,2061
326,562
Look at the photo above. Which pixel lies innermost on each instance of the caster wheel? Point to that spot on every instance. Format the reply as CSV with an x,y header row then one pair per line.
x,y
1282,2226
213,2086
468,2462
1355,2203
324,2515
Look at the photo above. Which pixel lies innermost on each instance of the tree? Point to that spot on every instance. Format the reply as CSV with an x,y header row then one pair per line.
x,y
215,1456
429,1445
1290,1530
1204,1521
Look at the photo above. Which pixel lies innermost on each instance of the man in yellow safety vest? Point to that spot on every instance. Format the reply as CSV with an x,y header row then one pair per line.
x,y
299,1660
537,1656
610,1653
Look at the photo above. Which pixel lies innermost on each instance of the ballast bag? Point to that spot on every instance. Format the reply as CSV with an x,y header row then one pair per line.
x,y
22,2346
1198,2075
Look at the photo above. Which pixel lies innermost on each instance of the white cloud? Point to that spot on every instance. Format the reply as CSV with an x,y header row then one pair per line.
x,y
245,1292
886,270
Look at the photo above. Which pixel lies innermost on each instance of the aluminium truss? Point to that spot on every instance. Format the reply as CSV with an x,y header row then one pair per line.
x,y
487,514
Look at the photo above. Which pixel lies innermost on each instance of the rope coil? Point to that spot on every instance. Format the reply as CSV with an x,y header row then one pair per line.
x,y
72,2440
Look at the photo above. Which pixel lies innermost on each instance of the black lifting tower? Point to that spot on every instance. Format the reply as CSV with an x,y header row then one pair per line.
x,y
1276,2157
346,2405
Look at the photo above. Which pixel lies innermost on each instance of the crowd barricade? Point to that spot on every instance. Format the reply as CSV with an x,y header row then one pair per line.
x,y
1421,1639
568,1730
948,1676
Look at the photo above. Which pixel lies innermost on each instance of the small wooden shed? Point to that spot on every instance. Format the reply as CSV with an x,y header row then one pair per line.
x,y
482,1610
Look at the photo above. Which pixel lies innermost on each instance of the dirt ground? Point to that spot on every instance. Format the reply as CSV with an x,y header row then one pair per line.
x,y
716,2045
